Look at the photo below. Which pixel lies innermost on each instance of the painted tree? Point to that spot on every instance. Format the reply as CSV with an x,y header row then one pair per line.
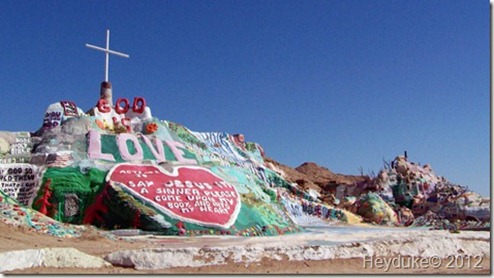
x,y
136,222
96,210
44,201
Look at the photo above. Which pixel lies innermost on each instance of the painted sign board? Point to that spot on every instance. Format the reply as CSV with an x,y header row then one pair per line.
x,y
189,193
20,181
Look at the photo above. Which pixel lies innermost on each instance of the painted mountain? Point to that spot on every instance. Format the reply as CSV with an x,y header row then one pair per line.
x,y
118,167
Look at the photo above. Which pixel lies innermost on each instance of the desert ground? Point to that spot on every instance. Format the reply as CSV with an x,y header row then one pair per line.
x,y
94,244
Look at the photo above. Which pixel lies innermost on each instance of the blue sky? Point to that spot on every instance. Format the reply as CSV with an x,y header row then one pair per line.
x,y
344,84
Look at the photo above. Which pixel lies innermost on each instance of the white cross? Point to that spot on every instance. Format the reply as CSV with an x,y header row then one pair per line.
x,y
107,52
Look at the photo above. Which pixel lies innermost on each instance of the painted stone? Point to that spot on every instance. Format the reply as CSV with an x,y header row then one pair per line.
x,y
20,181
71,207
190,193
58,112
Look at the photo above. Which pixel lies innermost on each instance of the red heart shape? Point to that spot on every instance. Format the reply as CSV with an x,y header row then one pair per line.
x,y
189,193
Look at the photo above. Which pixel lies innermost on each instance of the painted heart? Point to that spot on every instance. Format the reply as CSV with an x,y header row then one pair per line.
x,y
189,193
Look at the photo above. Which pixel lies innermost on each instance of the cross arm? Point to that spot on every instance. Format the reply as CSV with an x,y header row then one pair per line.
x,y
107,50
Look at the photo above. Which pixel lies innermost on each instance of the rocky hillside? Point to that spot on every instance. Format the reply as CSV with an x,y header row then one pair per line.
x,y
407,193
322,176
311,175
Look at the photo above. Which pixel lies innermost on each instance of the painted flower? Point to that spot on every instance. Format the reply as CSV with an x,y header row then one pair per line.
x,y
151,127
100,124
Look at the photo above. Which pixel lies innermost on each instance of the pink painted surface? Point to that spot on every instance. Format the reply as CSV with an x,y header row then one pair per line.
x,y
94,148
122,139
190,193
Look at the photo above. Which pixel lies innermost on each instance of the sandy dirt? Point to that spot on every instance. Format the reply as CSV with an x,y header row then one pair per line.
x,y
18,238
